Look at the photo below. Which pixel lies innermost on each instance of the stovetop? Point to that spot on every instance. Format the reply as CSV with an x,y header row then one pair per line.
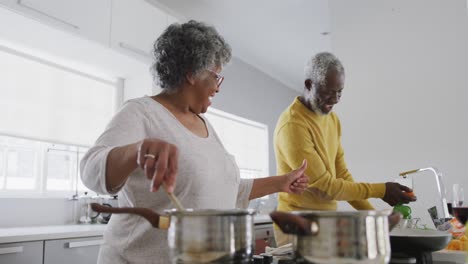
x,y
397,258
400,258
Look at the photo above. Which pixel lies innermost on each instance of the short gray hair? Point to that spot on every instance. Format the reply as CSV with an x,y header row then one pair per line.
x,y
187,48
320,65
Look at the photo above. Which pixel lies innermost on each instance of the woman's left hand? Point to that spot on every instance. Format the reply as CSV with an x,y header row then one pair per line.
x,y
296,181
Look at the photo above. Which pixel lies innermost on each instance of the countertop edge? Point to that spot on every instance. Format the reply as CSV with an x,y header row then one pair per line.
x,y
38,233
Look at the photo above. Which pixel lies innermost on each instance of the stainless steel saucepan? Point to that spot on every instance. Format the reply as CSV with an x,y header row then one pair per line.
x,y
337,237
201,236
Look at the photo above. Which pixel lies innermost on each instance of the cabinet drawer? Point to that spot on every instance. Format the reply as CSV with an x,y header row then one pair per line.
x,y
75,251
21,253
263,231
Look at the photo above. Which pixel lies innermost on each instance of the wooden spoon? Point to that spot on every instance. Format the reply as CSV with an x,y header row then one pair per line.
x,y
174,200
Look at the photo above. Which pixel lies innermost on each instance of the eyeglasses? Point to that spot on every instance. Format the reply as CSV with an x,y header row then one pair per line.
x,y
219,78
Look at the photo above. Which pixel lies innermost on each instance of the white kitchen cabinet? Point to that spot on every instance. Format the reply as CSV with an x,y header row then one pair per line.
x,y
72,251
263,237
88,18
22,253
136,24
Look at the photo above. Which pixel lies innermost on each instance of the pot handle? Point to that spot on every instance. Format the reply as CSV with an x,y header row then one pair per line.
x,y
295,224
154,218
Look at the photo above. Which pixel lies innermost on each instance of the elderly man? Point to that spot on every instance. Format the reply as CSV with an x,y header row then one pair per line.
x,y
309,129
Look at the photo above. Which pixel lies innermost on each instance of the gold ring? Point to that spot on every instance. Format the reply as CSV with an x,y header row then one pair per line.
x,y
149,156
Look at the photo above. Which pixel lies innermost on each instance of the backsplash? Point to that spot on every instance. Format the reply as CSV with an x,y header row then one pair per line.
x,y
17,212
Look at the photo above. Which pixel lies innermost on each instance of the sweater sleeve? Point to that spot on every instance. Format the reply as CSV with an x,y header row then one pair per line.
x,y
361,205
341,168
245,187
342,172
295,144
127,126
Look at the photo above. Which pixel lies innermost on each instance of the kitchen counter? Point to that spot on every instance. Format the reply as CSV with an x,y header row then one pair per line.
x,y
262,219
35,233
449,256
22,234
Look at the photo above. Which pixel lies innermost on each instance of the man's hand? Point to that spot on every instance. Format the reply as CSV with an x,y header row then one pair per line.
x,y
395,193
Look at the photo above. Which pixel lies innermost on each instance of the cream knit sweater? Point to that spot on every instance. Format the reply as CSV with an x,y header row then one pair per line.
x,y
208,178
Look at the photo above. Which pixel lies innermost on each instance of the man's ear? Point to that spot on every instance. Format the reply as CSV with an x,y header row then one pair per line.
x,y
190,77
308,84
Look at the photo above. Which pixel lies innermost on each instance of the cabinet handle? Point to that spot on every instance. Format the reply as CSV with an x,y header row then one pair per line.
x,y
138,51
10,250
84,243
68,24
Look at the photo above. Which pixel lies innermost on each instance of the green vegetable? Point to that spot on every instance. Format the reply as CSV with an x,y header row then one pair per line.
x,y
404,210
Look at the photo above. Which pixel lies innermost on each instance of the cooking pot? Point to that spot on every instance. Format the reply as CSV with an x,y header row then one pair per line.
x,y
337,237
201,236
418,243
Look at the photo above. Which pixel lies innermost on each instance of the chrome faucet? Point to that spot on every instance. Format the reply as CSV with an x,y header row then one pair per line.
x,y
440,188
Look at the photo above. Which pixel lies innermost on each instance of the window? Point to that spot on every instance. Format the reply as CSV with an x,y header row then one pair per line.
x,y
20,173
245,139
51,114
248,141
62,167
2,167
36,167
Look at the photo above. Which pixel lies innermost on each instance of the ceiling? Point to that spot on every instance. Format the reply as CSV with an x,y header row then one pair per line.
x,y
275,36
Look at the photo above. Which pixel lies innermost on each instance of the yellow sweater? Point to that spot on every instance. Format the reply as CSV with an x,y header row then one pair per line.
x,y
302,134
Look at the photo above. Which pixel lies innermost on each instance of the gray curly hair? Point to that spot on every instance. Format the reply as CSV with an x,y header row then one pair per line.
x,y
319,65
187,48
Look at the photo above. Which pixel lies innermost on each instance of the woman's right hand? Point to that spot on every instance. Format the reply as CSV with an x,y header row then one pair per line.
x,y
158,159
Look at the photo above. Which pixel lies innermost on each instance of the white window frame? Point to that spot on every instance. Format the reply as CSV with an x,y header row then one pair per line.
x,y
222,114
40,172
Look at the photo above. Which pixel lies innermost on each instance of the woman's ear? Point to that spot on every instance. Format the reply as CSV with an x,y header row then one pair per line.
x,y
190,77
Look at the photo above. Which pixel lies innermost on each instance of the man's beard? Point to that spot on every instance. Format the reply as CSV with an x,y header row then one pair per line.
x,y
314,104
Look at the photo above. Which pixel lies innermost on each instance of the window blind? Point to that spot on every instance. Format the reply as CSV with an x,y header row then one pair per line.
x,y
43,101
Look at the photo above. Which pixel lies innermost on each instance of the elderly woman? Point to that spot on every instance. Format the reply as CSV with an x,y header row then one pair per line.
x,y
152,141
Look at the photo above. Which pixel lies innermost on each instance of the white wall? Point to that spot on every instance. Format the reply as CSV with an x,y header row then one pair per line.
x,y
404,103
17,212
